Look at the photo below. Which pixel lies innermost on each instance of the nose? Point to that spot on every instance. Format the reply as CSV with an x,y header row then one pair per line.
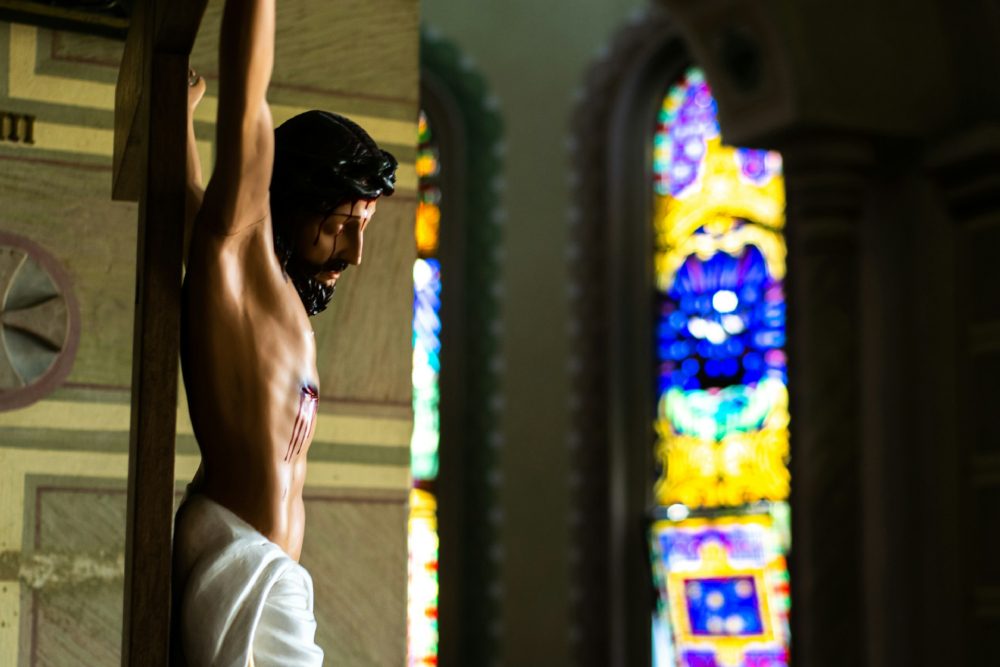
x,y
352,240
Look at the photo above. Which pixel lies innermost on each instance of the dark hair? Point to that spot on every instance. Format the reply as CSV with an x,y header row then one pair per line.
x,y
321,160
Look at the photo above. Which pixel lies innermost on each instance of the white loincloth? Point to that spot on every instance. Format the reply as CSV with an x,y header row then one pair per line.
x,y
238,594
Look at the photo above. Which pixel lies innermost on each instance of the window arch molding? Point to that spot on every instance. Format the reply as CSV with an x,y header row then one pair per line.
x,y
469,132
611,287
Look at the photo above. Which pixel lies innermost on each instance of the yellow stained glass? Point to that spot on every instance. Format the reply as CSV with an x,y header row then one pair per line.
x,y
427,164
428,228
423,580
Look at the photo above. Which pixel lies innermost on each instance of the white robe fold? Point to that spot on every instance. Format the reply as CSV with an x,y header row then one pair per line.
x,y
238,594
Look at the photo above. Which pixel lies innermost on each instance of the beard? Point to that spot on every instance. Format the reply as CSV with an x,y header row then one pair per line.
x,y
314,293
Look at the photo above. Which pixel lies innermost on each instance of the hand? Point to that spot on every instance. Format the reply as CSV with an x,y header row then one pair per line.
x,y
196,89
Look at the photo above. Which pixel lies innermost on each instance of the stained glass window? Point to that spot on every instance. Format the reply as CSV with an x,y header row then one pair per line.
x,y
720,533
422,624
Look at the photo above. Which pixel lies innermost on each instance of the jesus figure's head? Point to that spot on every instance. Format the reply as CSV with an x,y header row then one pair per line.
x,y
328,174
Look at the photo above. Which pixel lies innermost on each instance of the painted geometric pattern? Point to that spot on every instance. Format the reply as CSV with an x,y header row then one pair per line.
x,y
722,410
73,96
34,320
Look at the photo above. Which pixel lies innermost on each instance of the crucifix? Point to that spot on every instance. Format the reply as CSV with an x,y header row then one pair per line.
x,y
283,217
149,167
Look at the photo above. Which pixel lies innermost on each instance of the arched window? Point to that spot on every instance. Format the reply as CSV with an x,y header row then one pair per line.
x,y
456,365
679,414
720,521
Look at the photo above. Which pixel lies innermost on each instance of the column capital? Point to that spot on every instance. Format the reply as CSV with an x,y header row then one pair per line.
x,y
966,166
826,175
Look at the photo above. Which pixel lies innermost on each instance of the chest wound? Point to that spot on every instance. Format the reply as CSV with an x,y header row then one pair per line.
x,y
308,400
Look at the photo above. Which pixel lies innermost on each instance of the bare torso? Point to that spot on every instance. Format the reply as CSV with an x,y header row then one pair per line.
x,y
249,362
247,349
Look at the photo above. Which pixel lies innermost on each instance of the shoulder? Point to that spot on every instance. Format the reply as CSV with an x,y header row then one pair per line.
x,y
251,246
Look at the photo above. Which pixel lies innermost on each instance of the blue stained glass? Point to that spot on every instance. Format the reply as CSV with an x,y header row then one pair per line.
x,y
769,338
721,309
681,349
723,606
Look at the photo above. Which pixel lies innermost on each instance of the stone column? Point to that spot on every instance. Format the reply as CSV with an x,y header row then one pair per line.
x,y
826,187
966,167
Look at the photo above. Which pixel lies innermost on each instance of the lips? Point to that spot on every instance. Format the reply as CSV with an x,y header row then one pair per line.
x,y
330,270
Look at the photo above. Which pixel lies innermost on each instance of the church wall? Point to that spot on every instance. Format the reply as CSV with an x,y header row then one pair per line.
x,y
533,56
63,459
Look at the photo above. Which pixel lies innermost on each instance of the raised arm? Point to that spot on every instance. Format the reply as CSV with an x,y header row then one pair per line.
x,y
237,195
195,190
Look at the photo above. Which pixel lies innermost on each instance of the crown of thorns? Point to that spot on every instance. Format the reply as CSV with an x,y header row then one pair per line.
x,y
368,176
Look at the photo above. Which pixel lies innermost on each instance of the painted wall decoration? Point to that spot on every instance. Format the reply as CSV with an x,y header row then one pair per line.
x,y
719,540
109,18
39,323
423,575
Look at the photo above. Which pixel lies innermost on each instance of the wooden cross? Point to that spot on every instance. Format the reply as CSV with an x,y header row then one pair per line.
x,y
149,167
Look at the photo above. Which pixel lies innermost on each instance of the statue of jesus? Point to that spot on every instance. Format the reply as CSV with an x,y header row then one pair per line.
x,y
282,218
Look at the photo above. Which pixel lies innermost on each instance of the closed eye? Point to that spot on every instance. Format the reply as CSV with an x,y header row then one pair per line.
x,y
335,222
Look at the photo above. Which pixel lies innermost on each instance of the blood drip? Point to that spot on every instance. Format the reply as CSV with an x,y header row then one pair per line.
x,y
303,421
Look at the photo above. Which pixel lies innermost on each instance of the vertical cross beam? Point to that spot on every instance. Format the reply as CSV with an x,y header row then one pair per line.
x,y
150,165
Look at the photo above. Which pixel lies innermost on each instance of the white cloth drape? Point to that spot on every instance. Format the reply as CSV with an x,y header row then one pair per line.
x,y
238,594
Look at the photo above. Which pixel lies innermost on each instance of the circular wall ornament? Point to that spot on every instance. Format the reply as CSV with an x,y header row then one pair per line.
x,y
39,323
